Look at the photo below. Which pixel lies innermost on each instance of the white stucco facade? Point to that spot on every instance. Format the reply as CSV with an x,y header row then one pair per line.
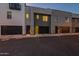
x,y
57,18
18,16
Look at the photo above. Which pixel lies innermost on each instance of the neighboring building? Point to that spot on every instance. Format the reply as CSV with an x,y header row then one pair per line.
x,y
49,21
75,23
61,22
38,20
16,18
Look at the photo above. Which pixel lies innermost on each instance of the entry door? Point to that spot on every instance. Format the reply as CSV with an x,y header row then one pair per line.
x,y
36,29
28,29
56,29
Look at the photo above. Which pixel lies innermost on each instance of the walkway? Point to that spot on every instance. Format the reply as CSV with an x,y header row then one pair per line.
x,y
8,37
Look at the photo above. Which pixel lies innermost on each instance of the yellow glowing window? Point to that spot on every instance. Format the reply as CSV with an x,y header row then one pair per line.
x,y
36,29
45,18
37,16
27,15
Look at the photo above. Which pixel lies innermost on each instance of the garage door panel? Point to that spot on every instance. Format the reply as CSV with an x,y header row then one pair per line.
x,y
10,30
43,30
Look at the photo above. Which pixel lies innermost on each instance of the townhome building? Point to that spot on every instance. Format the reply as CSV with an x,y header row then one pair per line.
x,y
50,21
18,18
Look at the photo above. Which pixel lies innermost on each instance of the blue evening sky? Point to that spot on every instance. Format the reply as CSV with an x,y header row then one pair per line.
x,y
71,7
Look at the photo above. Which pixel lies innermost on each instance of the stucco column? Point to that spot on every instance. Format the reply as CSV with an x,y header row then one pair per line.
x,y
23,30
23,23
52,24
0,30
32,21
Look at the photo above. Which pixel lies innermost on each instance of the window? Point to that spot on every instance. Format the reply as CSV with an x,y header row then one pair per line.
x,y
27,15
45,18
15,6
37,16
9,15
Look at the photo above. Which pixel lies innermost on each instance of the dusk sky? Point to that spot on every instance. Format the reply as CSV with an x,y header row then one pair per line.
x,y
72,7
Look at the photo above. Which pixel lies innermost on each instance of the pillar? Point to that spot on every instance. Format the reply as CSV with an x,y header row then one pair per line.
x,y
32,21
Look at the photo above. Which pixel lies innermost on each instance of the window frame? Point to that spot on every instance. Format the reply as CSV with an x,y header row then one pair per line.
x,y
14,6
9,15
27,15
45,18
37,17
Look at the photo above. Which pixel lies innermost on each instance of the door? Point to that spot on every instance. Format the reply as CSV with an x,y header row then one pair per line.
x,y
28,29
36,30
56,29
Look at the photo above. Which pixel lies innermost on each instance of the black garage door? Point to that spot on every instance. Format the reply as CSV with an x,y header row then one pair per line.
x,y
11,30
43,30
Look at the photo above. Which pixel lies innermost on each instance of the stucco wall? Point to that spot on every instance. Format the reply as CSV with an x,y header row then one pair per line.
x,y
18,17
59,19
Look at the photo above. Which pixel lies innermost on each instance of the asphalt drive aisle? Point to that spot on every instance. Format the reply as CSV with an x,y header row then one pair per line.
x,y
41,46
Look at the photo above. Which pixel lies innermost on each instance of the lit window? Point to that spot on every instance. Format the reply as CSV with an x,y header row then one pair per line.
x,y
45,18
36,29
37,16
27,15
9,15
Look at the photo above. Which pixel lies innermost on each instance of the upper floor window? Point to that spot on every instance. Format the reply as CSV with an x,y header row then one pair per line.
x,y
9,15
15,6
37,16
27,15
45,18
